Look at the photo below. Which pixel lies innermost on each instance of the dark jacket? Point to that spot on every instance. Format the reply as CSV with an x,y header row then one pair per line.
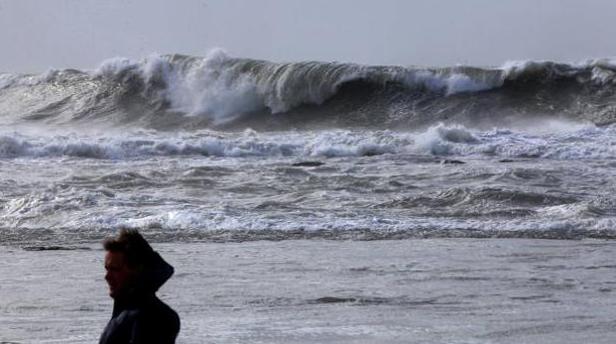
x,y
140,317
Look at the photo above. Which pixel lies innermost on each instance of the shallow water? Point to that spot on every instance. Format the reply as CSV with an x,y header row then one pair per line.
x,y
315,291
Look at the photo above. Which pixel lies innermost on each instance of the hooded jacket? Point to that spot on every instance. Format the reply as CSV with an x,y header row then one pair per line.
x,y
140,317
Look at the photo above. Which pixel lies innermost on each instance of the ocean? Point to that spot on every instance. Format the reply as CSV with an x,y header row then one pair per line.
x,y
315,202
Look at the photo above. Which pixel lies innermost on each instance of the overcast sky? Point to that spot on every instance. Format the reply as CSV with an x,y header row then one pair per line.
x,y
38,34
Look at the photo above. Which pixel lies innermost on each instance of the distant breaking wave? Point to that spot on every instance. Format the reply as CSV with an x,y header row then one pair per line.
x,y
175,91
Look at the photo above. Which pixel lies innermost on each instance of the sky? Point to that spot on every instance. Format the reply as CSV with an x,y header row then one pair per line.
x,y
36,35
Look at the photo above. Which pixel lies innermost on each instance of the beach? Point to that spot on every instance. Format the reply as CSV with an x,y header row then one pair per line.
x,y
319,291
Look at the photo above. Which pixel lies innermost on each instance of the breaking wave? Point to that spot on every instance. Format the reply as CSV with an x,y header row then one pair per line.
x,y
176,91
575,142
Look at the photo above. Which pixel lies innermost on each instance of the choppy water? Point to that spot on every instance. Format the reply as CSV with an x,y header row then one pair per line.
x,y
224,148
446,181
235,151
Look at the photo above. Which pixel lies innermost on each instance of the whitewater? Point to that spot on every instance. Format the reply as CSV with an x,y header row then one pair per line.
x,y
316,201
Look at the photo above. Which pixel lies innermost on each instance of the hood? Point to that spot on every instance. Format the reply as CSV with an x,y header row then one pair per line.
x,y
155,273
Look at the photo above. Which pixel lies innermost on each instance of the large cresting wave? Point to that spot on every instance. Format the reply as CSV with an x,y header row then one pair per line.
x,y
176,91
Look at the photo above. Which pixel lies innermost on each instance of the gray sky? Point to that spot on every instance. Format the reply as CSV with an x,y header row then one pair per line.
x,y
38,34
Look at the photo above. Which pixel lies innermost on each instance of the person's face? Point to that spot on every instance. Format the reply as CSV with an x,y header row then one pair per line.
x,y
120,276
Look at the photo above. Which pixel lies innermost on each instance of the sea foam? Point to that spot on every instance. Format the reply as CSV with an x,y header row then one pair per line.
x,y
554,140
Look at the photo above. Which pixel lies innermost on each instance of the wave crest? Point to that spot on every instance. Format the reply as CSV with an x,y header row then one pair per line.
x,y
170,91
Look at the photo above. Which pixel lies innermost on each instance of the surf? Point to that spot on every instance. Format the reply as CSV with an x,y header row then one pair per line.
x,y
167,92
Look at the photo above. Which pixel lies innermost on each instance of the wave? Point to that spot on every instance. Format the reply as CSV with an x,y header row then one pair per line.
x,y
209,144
565,141
186,226
171,91
86,208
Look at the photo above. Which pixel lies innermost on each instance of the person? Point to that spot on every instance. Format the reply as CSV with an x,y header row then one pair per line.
x,y
134,272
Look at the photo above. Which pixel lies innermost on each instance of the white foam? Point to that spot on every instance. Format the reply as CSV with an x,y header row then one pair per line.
x,y
603,71
561,141
218,87
604,76
461,83
209,89
446,82
247,144
516,67
550,139
114,66
440,139
346,143
200,220
203,88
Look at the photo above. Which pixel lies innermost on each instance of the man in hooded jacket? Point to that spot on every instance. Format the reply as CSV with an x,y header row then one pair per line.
x,y
134,273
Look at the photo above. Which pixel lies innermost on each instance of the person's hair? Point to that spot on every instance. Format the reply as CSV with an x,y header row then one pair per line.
x,y
136,249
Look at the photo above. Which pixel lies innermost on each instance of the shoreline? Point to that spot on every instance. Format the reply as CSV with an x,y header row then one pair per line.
x,y
52,241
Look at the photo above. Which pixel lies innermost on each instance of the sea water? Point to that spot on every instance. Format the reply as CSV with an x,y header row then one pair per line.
x,y
329,291
315,202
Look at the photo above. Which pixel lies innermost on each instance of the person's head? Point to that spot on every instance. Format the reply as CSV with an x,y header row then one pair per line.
x,y
127,254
